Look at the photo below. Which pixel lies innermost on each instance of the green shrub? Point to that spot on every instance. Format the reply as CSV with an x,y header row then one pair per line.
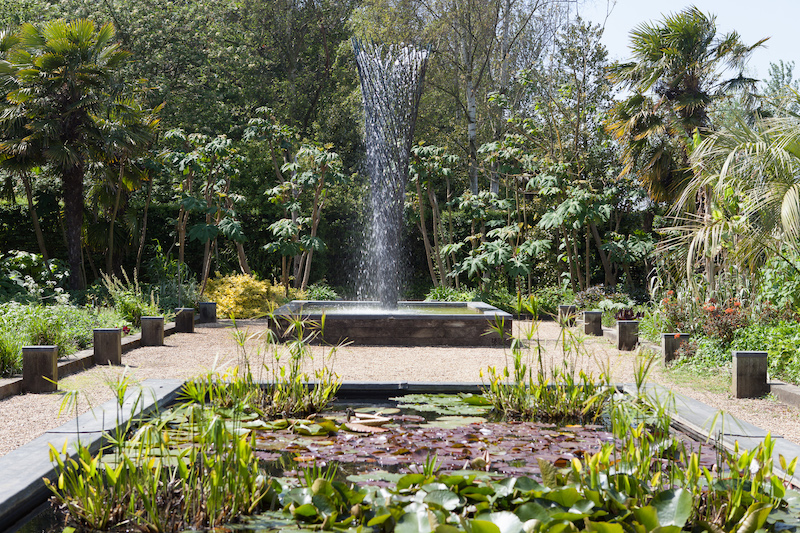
x,y
322,291
590,298
449,294
551,297
66,326
10,353
247,297
129,299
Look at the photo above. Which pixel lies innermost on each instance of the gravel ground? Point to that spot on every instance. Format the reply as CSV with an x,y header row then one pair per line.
x,y
184,355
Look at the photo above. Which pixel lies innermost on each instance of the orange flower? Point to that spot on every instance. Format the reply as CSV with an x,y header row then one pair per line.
x,y
737,303
729,311
677,335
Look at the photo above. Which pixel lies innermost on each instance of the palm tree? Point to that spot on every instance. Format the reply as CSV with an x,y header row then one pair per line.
x,y
751,173
675,73
60,87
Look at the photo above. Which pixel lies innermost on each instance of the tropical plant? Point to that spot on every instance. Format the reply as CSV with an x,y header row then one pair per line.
x,y
675,73
63,105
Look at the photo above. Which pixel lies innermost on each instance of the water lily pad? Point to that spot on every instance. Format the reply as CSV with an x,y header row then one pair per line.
x,y
454,421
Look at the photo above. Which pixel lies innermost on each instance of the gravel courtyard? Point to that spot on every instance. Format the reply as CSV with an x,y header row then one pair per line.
x,y
184,355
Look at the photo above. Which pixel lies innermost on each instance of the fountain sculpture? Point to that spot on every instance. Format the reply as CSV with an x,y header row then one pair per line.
x,y
391,86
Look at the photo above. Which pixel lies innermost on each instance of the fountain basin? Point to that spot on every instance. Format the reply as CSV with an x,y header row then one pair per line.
x,y
410,324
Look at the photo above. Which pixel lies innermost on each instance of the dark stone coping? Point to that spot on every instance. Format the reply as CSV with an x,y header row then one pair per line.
x,y
703,422
22,490
21,487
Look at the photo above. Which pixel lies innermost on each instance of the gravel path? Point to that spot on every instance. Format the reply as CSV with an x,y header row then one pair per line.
x,y
24,417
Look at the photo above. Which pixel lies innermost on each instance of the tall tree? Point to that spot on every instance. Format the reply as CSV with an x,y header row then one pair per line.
x,y
61,81
679,66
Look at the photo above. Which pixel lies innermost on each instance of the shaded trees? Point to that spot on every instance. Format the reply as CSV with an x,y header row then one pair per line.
x,y
63,98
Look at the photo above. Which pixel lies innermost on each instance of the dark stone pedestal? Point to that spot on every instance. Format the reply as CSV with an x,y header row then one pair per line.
x,y
593,323
184,320
40,368
107,346
750,374
670,342
627,334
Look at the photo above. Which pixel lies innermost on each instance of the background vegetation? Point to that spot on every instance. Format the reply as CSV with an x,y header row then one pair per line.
x,y
179,143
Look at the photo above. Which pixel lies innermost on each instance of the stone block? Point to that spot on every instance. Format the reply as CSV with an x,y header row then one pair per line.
x,y
208,311
152,331
184,320
107,346
670,342
40,368
566,314
627,334
593,323
750,374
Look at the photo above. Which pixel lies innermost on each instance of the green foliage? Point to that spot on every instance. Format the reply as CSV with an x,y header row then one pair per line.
x,y
174,286
592,297
550,297
322,291
531,392
24,276
450,294
66,326
129,299
10,352
779,283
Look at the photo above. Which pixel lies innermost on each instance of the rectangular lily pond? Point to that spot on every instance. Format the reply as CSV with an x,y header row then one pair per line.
x,y
421,463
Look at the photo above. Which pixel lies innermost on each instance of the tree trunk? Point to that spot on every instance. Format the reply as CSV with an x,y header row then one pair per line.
x,y
608,277
144,225
424,230
183,218
436,223
72,178
316,215
35,220
118,197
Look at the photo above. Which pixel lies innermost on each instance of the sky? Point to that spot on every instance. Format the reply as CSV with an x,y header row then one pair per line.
x,y
753,20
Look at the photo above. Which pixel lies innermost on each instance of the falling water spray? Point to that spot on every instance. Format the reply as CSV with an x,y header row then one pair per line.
x,y
391,86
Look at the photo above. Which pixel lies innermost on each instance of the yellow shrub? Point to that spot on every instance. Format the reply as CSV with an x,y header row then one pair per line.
x,y
246,297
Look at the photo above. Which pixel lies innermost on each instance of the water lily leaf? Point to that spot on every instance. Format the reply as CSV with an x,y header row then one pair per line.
x,y
605,527
455,421
566,496
256,424
648,516
323,504
375,475
674,506
474,399
356,427
380,412
526,484
445,499
416,521
311,430
306,510
532,511
480,526
410,480
506,521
